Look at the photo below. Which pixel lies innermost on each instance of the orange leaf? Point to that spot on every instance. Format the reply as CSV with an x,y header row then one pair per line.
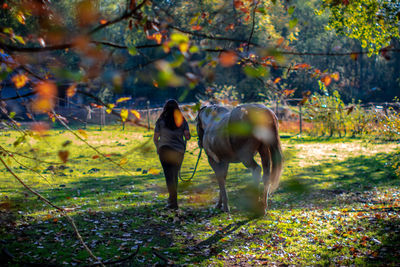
x,y
71,90
230,27
197,27
178,118
63,155
227,59
288,92
158,37
103,21
95,157
19,80
326,80
277,80
42,105
301,66
46,89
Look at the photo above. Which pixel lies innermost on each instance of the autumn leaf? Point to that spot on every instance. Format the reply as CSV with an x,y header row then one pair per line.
x,y
63,155
83,133
326,80
277,80
335,76
136,114
230,27
183,47
103,21
109,108
21,18
95,157
288,92
71,90
158,37
228,59
197,27
123,99
154,171
178,118
301,66
19,80
46,91
124,114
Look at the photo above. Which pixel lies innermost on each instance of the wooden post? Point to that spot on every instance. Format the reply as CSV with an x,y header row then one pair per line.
x,y
103,117
148,115
100,119
300,119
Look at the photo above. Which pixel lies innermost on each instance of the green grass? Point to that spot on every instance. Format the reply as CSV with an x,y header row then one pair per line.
x,y
338,204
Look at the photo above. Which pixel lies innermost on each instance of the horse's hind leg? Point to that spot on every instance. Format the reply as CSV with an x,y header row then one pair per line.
x,y
255,169
266,163
221,170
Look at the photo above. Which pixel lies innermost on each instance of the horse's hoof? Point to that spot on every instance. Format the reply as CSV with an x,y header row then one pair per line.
x,y
225,209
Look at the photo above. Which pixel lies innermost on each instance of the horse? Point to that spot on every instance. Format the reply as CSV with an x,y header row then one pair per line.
x,y
234,135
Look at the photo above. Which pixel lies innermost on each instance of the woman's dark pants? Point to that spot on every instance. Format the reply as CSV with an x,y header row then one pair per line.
x,y
171,161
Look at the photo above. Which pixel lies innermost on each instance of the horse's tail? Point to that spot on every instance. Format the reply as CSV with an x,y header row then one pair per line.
x,y
276,158
271,153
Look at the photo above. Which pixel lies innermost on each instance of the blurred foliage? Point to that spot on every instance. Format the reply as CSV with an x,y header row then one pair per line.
x,y
373,23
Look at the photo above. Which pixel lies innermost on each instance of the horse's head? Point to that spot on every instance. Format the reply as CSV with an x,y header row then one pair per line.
x,y
200,127
207,115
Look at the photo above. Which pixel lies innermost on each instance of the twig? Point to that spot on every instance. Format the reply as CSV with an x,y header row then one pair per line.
x,y
61,210
253,25
26,167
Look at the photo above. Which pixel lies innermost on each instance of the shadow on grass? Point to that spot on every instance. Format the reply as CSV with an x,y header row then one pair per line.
x,y
133,213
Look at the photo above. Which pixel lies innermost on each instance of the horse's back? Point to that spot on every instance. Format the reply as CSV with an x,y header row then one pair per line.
x,y
251,125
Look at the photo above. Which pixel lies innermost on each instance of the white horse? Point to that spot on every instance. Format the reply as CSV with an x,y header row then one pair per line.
x,y
232,135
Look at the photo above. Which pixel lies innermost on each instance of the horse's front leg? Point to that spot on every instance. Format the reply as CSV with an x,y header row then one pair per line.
x,y
221,170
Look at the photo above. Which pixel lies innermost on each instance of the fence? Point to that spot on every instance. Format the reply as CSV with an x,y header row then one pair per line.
x,y
287,113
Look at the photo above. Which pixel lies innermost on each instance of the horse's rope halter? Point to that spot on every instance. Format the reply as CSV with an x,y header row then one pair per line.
x,y
199,156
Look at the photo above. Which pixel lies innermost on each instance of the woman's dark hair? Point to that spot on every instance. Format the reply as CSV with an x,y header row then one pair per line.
x,y
167,114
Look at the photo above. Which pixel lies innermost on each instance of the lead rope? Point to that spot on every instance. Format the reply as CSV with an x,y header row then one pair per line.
x,y
194,171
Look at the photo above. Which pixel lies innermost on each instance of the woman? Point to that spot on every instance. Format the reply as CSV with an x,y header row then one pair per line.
x,y
170,136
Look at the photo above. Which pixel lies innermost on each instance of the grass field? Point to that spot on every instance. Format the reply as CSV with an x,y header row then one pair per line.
x,y
338,204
